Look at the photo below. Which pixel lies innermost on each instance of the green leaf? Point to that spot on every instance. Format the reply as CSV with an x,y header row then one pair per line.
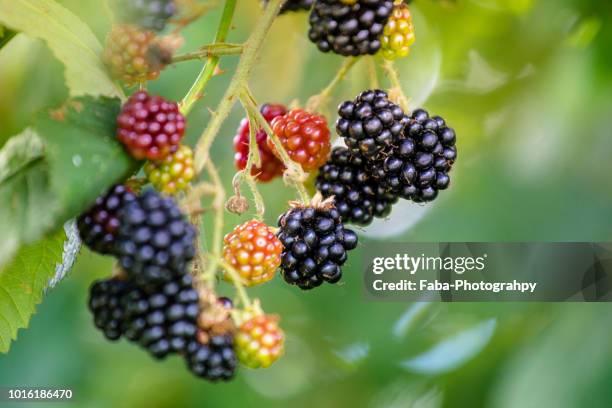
x,y
70,39
5,36
22,282
56,168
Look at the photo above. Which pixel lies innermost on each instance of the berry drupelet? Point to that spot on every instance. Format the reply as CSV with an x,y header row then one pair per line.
x,y
418,166
150,127
148,14
98,226
305,137
370,124
105,303
163,319
315,244
214,359
271,166
357,196
154,242
349,29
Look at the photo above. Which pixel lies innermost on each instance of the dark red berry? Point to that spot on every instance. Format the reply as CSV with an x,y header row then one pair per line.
x,y
271,167
150,127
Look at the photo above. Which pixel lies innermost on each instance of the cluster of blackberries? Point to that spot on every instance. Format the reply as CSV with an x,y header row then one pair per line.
x,y
389,155
153,302
147,14
349,28
315,244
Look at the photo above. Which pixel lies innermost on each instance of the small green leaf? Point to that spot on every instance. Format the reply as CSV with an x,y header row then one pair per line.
x,y
22,282
70,39
56,168
5,36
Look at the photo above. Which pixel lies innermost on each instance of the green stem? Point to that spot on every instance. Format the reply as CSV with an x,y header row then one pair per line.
x,y
316,102
218,208
212,62
237,281
249,56
210,50
396,89
373,73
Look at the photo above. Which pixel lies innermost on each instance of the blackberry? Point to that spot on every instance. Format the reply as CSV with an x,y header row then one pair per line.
x,y
162,320
214,360
154,242
418,166
105,304
370,123
349,29
315,244
357,196
98,226
294,5
149,14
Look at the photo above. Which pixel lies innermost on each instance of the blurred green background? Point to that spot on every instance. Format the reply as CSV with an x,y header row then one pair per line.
x,y
525,83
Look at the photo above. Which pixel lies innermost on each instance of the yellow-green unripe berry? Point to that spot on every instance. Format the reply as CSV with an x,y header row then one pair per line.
x,y
259,342
173,173
398,34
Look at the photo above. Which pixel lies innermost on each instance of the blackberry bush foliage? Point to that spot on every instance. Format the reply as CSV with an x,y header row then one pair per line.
x,y
162,294
349,29
357,196
316,244
155,242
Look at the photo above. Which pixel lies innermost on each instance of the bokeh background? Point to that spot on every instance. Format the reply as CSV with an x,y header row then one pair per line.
x,y
525,83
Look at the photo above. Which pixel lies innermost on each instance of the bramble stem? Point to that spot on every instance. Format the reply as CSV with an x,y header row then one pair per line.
x,y
373,73
218,208
249,56
396,86
237,281
317,102
212,62
209,50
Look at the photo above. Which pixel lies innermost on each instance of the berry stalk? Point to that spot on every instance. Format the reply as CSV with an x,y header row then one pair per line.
x,y
396,90
210,50
237,84
212,62
316,102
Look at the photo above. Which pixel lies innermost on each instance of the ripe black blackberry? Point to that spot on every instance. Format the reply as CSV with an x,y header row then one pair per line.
x,y
98,226
370,124
418,165
148,14
154,242
163,320
214,360
294,5
105,302
349,29
357,196
315,244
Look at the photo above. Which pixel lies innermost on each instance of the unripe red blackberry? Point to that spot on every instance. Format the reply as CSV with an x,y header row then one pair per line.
x,y
149,14
271,166
418,165
357,196
294,5
162,319
398,34
370,123
155,242
349,29
150,127
213,360
305,137
259,341
173,173
254,251
315,244
131,55
98,225
105,302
